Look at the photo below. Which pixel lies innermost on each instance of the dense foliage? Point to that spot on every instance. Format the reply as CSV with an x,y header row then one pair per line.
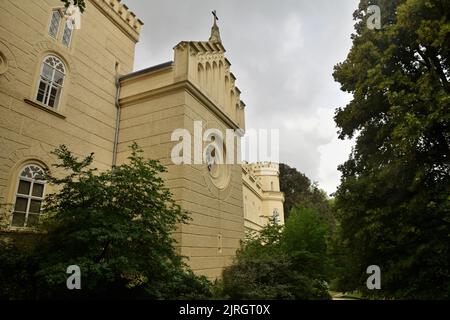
x,y
393,203
282,262
116,226
78,3
299,189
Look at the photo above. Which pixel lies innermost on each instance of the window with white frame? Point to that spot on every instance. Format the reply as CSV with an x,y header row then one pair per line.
x,y
51,81
29,196
54,23
67,34
56,20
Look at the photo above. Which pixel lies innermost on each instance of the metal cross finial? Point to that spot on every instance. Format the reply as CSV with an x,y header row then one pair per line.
x,y
215,33
214,13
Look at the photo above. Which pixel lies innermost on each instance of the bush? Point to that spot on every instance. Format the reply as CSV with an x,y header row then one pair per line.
x,y
305,238
116,226
281,262
16,273
266,277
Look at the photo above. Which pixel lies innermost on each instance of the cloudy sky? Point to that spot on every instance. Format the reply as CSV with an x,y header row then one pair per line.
x,y
282,53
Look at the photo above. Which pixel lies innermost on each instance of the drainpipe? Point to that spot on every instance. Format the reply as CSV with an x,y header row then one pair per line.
x,y
116,134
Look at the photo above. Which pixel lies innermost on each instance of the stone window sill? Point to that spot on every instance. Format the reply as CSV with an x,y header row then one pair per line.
x,y
21,230
45,108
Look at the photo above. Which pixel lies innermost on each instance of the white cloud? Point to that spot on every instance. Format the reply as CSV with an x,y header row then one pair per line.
x,y
331,155
291,37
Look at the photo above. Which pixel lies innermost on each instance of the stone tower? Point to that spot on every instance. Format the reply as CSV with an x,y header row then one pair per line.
x,y
196,87
262,196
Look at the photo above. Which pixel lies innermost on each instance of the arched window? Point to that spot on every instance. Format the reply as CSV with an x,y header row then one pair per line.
x,y
201,75
51,81
29,196
208,77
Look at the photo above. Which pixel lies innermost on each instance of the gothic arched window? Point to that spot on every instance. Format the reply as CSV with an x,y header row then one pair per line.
x,y
51,81
29,196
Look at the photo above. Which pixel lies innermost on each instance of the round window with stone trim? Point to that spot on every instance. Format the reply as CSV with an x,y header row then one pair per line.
x,y
215,158
3,64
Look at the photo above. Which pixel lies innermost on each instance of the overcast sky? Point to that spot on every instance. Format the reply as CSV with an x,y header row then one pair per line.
x,y
282,53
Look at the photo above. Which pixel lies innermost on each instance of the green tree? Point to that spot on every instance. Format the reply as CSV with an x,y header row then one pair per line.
x,y
298,189
281,262
17,268
260,269
344,266
295,185
79,3
116,226
305,239
393,202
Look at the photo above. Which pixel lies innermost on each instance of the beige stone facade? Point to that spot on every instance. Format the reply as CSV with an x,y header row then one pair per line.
x,y
85,116
262,196
101,106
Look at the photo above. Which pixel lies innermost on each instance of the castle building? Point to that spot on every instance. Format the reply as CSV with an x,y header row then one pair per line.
x,y
64,85
262,197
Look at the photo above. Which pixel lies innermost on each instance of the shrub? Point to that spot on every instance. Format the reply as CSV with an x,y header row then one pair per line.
x,y
116,226
271,265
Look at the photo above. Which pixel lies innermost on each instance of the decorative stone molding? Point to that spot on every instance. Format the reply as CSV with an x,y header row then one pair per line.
x,y
120,15
179,86
255,170
47,47
7,62
15,160
3,63
44,108
37,152
210,71
219,181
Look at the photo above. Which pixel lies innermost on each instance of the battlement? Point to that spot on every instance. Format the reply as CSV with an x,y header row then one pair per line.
x,y
249,174
264,167
257,170
119,13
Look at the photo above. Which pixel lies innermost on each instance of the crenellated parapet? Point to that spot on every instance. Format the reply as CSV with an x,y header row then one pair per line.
x,y
248,174
204,64
262,195
264,168
120,14
265,175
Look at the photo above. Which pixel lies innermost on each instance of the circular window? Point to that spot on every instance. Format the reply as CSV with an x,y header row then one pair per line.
x,y
3,64
215,158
